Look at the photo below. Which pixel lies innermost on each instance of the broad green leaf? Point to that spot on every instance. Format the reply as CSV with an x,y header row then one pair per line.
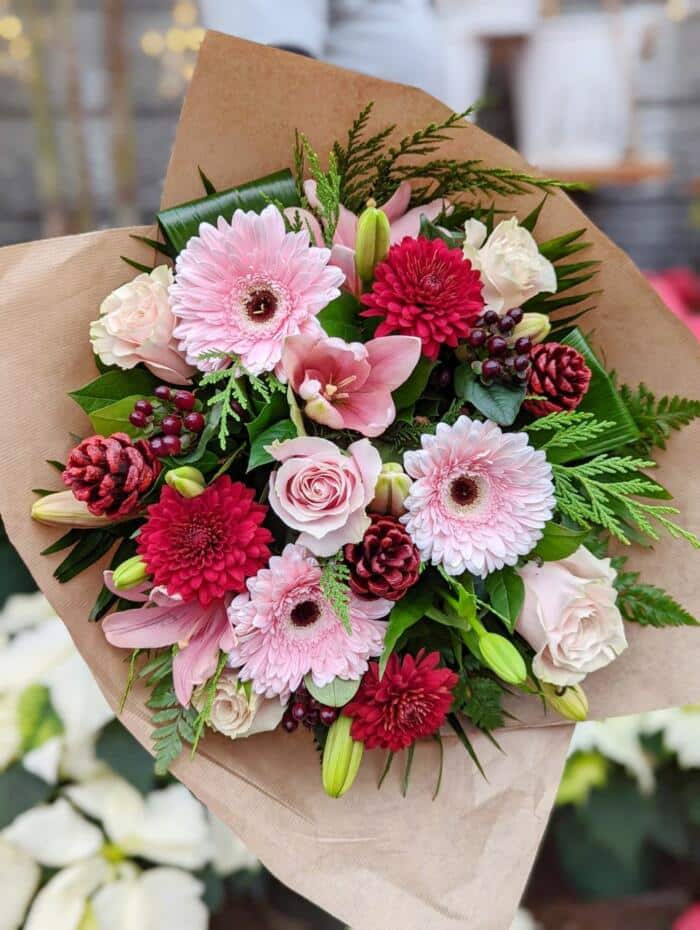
x,y
337,693
274,411
412,389
181,222
558,542
114,418
341,318
405,614
278,432
125,756
19,792
38,721
495,401
507,593
463,588
113,386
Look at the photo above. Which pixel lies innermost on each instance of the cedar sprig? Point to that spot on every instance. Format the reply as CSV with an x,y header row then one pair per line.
x,y
569,428
231,384
335,574
328,187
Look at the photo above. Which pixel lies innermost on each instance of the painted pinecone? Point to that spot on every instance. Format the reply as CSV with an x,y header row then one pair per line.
x,y
386,563
110,474
559,377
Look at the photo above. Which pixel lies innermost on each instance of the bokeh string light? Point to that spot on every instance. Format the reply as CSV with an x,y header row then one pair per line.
x,y
15,46
175,48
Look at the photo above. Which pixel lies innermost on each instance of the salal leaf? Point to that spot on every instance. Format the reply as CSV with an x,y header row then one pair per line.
x,y
278,432
114,386
341,318
506,593
496,402
114,418
558,542
412,389
336,693
406,614
275,410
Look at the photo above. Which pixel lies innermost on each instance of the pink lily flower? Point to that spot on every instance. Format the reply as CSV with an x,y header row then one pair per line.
x,y
200,632
404,222
348,385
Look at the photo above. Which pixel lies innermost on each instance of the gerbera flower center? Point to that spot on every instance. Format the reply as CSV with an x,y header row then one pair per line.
x,y
261,305
464,491
305,613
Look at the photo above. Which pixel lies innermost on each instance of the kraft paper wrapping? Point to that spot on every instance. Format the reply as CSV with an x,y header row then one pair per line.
x,y
374,859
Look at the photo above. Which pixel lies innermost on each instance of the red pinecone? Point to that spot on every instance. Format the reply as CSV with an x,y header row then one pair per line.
x,y
559,376
386,563
110,474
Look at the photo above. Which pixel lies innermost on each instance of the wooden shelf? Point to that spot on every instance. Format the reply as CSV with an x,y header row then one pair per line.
x,y
625,173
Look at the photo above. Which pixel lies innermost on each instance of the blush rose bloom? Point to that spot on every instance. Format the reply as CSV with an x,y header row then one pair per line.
x,y
510,264
237,711
323,492
569,617
136,325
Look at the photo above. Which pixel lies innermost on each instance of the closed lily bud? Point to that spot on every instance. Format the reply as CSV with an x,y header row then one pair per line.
x,y
342,756
536,326
186,480
501,656
372,241
62,509
570,702
129,573
391,490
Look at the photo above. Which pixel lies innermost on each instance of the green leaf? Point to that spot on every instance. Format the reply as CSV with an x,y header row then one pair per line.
x,y
495,401
114,418
483,702
558,542
113,386
341,318
405,614
19,792
656,420
125,756
181,222
648,605
38,721
277,409
92,546
454,722
68,539
412,389
278,432
507,592
407,769
531,219
337,693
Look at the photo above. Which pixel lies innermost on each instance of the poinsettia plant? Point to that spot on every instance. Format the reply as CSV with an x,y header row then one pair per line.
x,y
356,469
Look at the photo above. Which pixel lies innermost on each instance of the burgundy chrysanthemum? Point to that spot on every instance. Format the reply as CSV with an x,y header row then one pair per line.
x,y
111,473
559,376
424,288
202,547
410,701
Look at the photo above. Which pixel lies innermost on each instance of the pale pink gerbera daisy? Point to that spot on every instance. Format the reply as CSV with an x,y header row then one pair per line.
x,y
242,287
285,627
480,499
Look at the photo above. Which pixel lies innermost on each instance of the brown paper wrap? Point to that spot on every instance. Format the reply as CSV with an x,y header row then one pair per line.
x,y
375,860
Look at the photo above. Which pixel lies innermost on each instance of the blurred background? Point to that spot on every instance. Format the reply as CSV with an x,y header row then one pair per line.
x,y
600,91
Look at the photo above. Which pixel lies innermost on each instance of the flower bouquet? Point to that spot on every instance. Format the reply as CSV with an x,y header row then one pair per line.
x,y
358,466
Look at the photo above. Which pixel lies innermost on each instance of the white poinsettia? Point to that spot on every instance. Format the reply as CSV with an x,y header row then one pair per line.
x,y
23,611
153,900
617,739
55,835
168,826
229,853
63,902
681,733
20,879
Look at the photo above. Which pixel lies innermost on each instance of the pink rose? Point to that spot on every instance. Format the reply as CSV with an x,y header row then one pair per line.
x,y
569,617
323,492
136,325
689,920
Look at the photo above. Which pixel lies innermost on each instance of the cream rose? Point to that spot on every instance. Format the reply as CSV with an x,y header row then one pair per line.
x,y
237,711
510,263
136,325
569,617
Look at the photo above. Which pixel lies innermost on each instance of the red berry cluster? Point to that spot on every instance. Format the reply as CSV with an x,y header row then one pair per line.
x,y
305,709
498,357
172,421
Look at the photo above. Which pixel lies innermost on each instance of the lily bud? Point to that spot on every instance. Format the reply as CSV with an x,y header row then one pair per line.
x,y
129,573
536,326
372,241
391,490
62,509
570,702
503,658
186,480
342,756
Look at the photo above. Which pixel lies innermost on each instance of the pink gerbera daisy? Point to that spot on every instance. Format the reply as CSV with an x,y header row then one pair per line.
x,y
242,287
481,497
285,627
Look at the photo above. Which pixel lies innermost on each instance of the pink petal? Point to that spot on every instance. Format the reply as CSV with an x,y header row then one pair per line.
x,y
397,204
197,662
343,257
137,594
308,223
295,354
369,411
150,627
312,446
369,464
346,230
393,359
409,224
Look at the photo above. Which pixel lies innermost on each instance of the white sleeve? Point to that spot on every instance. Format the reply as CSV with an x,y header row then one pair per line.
x,y
299,24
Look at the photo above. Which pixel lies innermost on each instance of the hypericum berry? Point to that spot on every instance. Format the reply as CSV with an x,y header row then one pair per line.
x,y
311,720
521,363
491,368
194,422
298,711
138,419
162,392
506,324
184,400
289,724
523,345
158,447
171,425
172,444
328,716
476,338
516,315
491,317
145,406
497,345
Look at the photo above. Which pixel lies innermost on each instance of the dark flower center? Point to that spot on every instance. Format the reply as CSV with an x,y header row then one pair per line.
x,y
464,490
305,613
431,282
199,538
261,305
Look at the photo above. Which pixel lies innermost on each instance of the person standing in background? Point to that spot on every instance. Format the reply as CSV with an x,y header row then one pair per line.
x,y
398,40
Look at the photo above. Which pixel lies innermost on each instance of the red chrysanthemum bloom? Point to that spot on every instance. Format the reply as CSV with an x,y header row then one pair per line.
x,y
202,547
410,702
424,288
